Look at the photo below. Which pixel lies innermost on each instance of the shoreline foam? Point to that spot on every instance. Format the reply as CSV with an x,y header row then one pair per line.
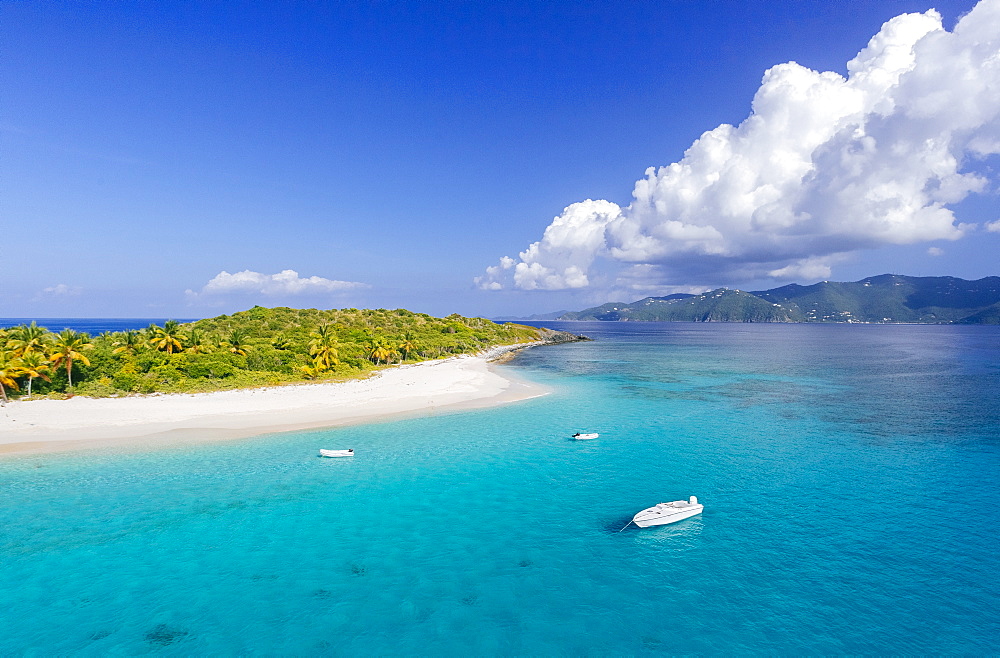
x,y
465,382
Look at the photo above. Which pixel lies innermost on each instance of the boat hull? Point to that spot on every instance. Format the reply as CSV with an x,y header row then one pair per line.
x,y
663,515
336,453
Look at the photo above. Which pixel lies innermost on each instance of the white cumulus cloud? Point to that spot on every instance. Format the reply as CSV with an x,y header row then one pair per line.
x,y
61,290
560,259
993,227
823,166
286,282
806,268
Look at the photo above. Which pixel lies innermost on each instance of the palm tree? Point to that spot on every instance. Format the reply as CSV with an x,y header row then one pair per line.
x,y
406,347
281,342
378,352
10,370
312,372
34,364
323,346
69,346
236,342
28,338
167,338
196,342
129,342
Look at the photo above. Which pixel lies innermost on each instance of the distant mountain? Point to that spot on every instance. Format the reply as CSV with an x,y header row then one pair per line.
x,y
720,305
989,315
884,298
538,317
889,298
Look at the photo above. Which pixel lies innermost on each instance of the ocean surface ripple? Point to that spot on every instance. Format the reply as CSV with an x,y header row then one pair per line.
x,y
849,475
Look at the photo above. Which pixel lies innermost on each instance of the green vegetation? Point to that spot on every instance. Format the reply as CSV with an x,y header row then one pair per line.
x,y
720,305
258,347
885,298
889,298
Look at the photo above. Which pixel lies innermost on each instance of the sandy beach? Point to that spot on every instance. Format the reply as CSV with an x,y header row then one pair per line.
x,y
148,421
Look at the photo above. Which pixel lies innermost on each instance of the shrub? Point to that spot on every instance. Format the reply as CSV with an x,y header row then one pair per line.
x,y
147,384
100,388
126,381
167,374
209,366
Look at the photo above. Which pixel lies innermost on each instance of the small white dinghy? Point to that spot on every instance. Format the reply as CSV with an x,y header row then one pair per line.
x,y
337,453
665,513
580,436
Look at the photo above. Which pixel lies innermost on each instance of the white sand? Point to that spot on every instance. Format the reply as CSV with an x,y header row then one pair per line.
x,y
144,421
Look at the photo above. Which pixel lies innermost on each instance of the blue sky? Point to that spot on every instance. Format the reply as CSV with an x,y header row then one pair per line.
x,y
174,159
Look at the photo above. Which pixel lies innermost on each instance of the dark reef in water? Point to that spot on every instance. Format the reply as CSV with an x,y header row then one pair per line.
x,y
163,635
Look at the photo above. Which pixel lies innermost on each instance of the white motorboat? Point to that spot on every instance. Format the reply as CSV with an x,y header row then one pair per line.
x,y
580,436
337,453
665,513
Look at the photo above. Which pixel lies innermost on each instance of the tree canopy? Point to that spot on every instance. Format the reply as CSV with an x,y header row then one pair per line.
x,y
257,347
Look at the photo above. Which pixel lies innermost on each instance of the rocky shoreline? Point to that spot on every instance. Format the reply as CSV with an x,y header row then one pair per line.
x,y
505,353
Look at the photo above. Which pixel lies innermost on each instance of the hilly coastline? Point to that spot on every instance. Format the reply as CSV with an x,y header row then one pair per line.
x,y
888,298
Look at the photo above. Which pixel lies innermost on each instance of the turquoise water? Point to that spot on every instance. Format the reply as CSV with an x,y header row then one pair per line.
x,y
849,476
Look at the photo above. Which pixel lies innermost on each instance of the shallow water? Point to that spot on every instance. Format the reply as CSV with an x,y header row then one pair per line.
x,y
849,476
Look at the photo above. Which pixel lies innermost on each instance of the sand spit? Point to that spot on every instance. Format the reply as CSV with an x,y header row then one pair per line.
x,y
154,420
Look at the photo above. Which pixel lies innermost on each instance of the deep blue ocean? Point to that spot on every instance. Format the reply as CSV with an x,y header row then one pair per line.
x,y
850,476
92,326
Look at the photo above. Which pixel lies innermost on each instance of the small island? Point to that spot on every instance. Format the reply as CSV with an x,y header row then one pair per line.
x,y
253,348
71,391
